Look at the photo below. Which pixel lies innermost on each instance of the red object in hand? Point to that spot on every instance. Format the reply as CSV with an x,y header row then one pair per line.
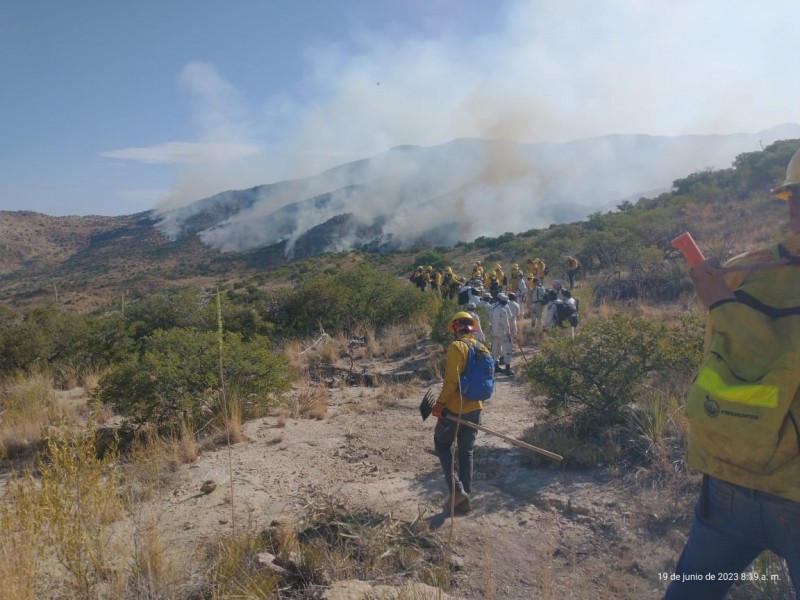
x,y
437,410
686,244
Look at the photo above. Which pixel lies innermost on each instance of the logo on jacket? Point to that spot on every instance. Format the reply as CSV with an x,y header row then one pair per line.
x,y
711,407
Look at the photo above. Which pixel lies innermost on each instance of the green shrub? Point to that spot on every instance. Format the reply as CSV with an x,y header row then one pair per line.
x,y
597,376
440,331
358,298
430,258
177,374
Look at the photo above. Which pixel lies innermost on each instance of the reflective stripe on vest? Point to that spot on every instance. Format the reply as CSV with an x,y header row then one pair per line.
x,y
752,395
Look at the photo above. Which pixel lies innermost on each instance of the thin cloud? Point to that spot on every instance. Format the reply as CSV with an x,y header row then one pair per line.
x,y
185,153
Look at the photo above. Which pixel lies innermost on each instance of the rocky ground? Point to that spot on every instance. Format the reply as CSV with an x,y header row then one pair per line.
x,y
533,532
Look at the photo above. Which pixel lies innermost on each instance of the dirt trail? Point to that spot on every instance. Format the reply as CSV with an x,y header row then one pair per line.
x,y
534,531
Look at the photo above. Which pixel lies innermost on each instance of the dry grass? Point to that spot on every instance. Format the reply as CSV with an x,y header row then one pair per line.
x,y
153,572
152,462
389,393
28,403
560,437
292,351
234,434
79,497
19,550
309,401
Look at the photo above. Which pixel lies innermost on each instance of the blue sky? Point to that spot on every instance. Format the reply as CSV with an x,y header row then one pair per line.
x,y
113,107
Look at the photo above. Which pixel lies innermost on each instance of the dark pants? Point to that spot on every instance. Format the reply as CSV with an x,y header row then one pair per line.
x,y
732,526
571,276
443,438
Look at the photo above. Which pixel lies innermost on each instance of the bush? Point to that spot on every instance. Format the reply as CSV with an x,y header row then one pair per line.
x,y
440,331
597,376
358,298
177,374
430,258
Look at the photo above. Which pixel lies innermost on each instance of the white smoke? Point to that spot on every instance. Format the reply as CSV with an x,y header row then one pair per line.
x,y
550,71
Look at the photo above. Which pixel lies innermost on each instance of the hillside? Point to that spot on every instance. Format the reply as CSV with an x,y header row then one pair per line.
x,y
89,262
336,474
413,196
85,263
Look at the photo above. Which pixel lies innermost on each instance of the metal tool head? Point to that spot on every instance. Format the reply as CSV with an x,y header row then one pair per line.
x,y
426,406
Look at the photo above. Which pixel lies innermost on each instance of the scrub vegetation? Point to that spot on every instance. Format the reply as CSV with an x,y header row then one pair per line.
x,y
174,370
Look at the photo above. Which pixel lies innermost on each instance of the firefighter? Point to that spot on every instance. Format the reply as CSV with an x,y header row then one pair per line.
x,y
513,280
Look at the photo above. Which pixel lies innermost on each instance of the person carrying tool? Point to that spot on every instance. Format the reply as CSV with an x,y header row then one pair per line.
x,y
743,410
451,401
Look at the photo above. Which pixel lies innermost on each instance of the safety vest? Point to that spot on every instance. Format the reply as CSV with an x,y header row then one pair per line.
x,y
744,404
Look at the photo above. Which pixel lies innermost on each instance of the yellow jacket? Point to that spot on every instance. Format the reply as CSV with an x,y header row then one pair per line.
x,y
744,404
450,396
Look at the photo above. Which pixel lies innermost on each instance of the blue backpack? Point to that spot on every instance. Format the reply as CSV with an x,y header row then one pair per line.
x,y
477,381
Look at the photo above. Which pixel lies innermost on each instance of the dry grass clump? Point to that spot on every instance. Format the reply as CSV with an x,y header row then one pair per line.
x,y
332,543
152,461
28,403
293,352
310,401
562,438
661,427
20,518
391,392
153,572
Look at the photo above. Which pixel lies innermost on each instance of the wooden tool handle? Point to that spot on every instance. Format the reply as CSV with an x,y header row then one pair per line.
x,y
509,439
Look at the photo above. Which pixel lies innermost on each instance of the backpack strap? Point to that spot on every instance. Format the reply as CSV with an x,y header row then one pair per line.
x,y
790,259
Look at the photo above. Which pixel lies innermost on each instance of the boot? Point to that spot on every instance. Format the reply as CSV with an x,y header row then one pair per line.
x,y
508,369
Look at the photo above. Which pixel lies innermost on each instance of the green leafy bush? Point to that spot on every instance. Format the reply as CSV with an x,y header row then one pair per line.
x,y
597,376
430,258
177,376
440,331
357,298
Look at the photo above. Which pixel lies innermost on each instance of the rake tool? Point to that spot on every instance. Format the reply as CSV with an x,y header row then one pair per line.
x,y
426,407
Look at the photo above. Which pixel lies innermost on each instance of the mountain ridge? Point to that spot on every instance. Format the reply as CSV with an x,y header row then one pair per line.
x,y
407,192
85,262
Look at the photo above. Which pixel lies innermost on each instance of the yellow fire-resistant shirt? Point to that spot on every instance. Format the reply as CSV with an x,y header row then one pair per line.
x,y
450,396
745,428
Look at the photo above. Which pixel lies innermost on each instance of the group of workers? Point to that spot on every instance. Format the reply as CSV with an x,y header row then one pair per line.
x,y
743,409
518,280
507,298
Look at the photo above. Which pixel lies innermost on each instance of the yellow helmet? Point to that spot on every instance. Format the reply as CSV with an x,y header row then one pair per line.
x,y
792,178
429,268
515,266
497,267
462,322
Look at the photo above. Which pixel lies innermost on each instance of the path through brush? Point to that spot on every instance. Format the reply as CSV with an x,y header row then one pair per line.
x,y
534,531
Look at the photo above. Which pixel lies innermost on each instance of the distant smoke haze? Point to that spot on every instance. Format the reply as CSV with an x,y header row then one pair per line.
x,y
457,191
548,74
548,71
